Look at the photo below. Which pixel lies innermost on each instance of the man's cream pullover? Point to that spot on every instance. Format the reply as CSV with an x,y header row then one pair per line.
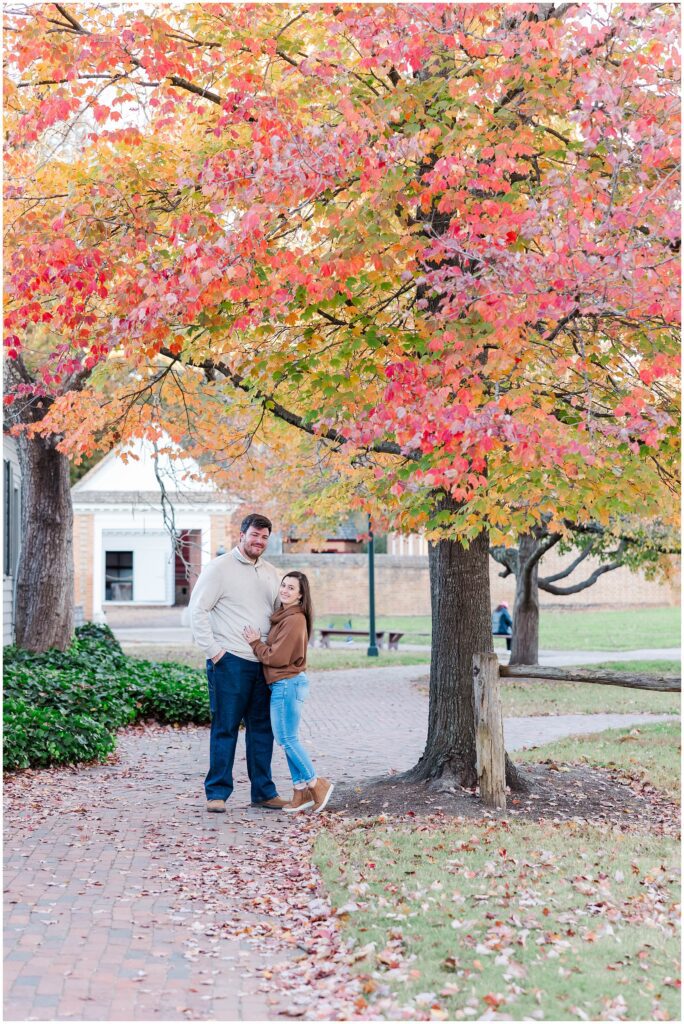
x,y
233,592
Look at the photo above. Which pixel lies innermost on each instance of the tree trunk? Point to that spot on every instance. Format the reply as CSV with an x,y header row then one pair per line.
x,y
461,627
525,643
45,574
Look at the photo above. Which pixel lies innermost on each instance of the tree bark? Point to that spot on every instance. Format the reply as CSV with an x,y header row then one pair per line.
x,y
459,590
525,642
461,627
45,574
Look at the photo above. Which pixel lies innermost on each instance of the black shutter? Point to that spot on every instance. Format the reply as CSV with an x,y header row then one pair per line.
x,y
15,516
7,495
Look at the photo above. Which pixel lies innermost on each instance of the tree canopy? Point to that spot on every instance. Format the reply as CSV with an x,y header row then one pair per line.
x,y
440,234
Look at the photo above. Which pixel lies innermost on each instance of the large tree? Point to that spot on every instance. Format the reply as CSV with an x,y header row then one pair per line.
x,y
441,238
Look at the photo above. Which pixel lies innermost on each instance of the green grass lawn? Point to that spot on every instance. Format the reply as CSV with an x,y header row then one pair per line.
x,y
417,629
657,667
536,922
651,753
604,630
560,921
610,630
544,697
590,630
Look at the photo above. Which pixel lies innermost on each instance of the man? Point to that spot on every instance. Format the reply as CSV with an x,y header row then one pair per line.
x,y
235,590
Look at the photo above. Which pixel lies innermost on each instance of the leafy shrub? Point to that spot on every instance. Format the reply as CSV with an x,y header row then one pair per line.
x,y
63,707
39,736
71,692
172,693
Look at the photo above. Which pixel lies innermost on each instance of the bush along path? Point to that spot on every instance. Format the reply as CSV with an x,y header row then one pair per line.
x,y
65,707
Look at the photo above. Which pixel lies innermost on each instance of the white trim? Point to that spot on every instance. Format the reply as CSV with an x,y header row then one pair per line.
x,y
130,507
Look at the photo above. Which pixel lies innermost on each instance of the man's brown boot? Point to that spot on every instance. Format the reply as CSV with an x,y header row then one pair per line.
x,y
276,803
302,800
216,806
321,792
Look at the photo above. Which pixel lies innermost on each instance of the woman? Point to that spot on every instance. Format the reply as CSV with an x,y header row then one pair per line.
x,y
284,659
502,623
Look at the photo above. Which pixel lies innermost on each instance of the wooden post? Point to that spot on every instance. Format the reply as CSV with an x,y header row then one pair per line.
x,y
489,737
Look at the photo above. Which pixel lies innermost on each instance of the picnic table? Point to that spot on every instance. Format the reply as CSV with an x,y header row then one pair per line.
x,y
393,637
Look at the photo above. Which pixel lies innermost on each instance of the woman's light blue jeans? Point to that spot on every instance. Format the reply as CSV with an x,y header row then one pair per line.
x,y
287,700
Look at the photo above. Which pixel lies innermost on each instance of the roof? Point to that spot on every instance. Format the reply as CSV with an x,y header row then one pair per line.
x,y
135,468
149,498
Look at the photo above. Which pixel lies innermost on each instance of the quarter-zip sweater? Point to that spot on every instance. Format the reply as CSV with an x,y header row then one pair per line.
x,y
284,653
232,592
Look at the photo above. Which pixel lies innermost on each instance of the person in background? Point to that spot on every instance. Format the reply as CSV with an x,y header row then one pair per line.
x,y
234,590
502,623
283,656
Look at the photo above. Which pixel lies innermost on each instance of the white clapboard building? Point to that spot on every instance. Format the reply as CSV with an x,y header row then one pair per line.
x,y
123,547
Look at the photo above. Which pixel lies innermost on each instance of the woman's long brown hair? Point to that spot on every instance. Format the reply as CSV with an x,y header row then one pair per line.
x,y
304,599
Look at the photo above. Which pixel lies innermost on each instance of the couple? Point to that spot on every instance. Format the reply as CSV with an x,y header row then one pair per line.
x,y
238,600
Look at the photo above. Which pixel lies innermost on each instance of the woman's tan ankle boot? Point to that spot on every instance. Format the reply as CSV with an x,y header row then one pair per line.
x,y
302,800
321,791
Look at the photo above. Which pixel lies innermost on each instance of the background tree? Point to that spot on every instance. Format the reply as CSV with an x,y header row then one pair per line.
x,y
440,238
639,547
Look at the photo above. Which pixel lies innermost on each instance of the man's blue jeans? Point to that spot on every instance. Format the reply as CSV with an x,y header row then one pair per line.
x,y
287,699
237,691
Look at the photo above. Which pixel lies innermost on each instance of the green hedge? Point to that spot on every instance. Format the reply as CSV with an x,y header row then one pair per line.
x,y
64,707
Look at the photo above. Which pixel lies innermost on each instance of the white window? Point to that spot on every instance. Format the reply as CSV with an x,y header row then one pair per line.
x,y
119,576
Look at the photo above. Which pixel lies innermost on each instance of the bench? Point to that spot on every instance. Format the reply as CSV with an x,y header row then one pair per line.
x,y
327,633
393,637
508,636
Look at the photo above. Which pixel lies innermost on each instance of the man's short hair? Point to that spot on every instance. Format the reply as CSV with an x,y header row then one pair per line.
x,y
257,521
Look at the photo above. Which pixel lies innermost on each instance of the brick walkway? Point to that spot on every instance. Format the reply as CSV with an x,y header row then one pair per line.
x,y
106,919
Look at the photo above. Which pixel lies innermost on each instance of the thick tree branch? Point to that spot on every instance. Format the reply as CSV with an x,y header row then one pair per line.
x,y
526,569
508,557
571,568
550,588
210,367
207,94
72,21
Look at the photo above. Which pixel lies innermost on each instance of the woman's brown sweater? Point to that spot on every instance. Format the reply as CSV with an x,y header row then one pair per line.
x,y
283,655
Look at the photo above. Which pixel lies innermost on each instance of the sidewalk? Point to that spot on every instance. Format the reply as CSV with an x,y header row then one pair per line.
x,y
124,900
